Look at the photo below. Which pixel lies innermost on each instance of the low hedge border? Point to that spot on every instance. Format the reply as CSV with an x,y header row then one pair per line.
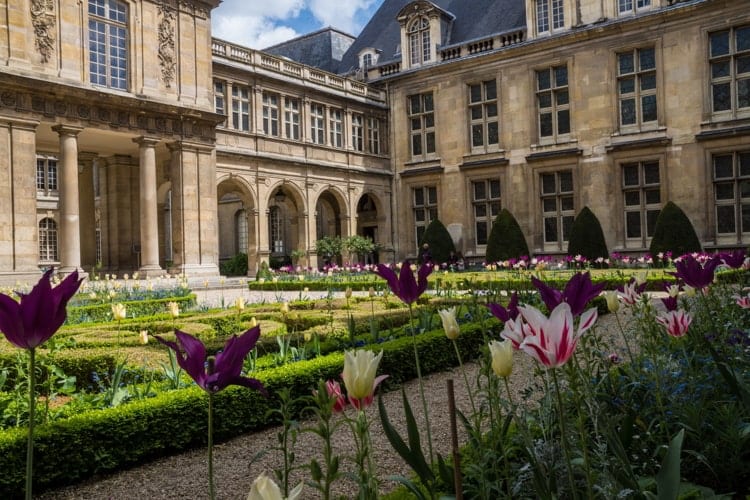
x,y
107,440
103,312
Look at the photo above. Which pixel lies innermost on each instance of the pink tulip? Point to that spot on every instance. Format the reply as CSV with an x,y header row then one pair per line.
x,y
552,341
334,391
742,301
676,322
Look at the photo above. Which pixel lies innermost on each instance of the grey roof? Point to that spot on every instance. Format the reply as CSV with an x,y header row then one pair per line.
x,y
321,49
474,19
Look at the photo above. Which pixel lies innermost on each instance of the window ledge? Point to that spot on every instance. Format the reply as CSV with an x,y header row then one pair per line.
x,y
722,130
480,161
553,153
411,172
637,141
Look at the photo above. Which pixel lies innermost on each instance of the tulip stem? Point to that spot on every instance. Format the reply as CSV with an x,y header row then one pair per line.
x,y
421,384
624,337
30,440
563,437
466,379
211,491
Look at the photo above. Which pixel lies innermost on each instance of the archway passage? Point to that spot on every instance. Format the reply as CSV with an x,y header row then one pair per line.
x,y
236,231
330,222
367,222
286,227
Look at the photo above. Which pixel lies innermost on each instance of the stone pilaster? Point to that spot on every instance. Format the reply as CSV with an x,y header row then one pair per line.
x,y
86,208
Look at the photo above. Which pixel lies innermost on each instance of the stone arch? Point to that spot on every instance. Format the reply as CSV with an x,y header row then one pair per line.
x,y
369,210
287,220
331,214
237,219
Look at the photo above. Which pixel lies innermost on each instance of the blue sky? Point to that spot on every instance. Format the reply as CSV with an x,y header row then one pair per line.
x,y
260,24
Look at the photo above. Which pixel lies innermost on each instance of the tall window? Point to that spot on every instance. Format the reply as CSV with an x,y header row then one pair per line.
x,y
108,43
240,108
336,127
730,69
731,175
373,135
425,208
291,118
220,96
46,176
366,61
48,240
358,132
419,41
271,114
486,201
483,113
276,228
642,199
631,6
240,219
422,124
317,123
553,102
636,86
558,210
543,18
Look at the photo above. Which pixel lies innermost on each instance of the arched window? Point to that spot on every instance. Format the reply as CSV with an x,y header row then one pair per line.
x,y
419,41
48,240
276,228
108,43
240,226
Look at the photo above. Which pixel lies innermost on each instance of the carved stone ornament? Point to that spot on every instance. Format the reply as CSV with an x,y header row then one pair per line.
x,y
43,21
167,44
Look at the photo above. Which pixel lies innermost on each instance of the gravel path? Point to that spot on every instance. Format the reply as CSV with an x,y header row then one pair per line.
x,y
184,475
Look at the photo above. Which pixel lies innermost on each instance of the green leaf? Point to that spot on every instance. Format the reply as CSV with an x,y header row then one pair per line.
x,y
668,478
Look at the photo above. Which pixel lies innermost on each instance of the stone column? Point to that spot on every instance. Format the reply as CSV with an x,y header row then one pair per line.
x,y
70,226
149,265
87,208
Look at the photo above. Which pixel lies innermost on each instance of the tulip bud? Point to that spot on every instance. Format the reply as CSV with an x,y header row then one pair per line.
x,y
174,309
673,290
264,488
261,280
301,277
307,336
348,292
371,292
502,358
306,290
239,303
118,312
613,303
275,279
450,325
253,322
284,308
144,337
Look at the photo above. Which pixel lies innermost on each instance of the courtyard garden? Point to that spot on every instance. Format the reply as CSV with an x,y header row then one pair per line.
x,y
634,379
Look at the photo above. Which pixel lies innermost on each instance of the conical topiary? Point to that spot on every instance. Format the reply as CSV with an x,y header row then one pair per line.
x,y
586,236
674,233
439,240
506,240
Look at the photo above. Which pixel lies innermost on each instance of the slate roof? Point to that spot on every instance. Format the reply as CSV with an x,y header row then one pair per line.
x,y
474,19
321,49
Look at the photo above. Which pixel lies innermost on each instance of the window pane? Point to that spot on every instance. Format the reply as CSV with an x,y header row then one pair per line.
x,y
627,111
490,110
651,173
432,195
743,65
476,135
545,100
647,59
416,145
493,136
744,159
721,97
415,104
476,93
627,85
549,205
495,189
653,196
480,191
567,223
720,69
648,105
548,184
566,203
430,142
719,43
725,191
561,97
433,214
418,197
543,80
633,224
419,215
550,229
745,189
743,38
476,112
563,121
561,76
632,198
651,217
494,209
725,219
480,210
625,63
429,120
428,104
648,81
490,90
723,166
481,233
545,124
743,93
566,182
630,175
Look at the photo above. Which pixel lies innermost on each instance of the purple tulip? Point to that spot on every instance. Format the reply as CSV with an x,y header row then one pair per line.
x,y
577,293
690,270
670,301
31,321
734,259
405,287
504,314
225,370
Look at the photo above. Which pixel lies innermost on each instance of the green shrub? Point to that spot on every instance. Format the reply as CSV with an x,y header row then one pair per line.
x,y
674,233
264,272
439,240
236,266
586,236
506,240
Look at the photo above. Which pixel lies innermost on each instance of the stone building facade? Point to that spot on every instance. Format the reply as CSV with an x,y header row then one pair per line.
x,y
131,140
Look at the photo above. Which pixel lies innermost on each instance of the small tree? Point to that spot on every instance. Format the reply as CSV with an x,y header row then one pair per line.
x,y
586,236
329,248
674,233
359,245
506,240
439,240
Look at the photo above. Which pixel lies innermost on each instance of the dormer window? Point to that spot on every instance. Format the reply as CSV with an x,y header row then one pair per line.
x,y
632,6
368,58
550,16
419,41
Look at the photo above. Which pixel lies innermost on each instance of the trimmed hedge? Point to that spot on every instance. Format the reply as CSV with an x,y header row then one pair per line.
x,y
103,441
71,365
674,233
506,240
586,236
362,284
103,312
440,243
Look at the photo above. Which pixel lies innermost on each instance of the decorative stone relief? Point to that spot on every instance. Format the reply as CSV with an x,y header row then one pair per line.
x,y
166,44
43,21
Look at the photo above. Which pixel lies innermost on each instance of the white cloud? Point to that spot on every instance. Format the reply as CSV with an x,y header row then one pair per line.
x,y
251,31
